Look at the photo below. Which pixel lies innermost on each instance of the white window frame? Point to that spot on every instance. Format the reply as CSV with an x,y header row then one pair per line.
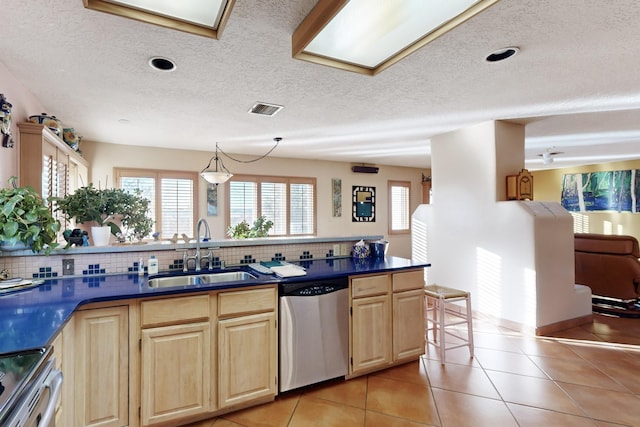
x,y
407,207
259,179
157,175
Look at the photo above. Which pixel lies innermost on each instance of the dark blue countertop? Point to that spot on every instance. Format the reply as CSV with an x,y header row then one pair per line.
x,y
32,317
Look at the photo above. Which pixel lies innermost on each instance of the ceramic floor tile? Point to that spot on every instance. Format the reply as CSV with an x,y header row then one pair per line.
x,y
536,417
577,371
531,391
401,399
274,414
209,423
495,342
374,419
225,423
459,355
625,371
459,378
312,412
458,409
606,405
412,372
352,392
546,347
515,363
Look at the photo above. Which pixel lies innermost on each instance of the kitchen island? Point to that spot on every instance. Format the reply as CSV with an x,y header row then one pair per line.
x,y
135,355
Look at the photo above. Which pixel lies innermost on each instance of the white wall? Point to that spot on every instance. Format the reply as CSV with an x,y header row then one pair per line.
x,y
24,105
516,258
104,157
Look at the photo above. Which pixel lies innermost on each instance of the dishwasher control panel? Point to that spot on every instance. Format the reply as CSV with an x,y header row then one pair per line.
x,y
313,288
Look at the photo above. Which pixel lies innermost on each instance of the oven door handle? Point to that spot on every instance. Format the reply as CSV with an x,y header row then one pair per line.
x,y
53,383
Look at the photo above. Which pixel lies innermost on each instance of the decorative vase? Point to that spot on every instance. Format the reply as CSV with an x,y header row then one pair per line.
x,y
101,235
8,247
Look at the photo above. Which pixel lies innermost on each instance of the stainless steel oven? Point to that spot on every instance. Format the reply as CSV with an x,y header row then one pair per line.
x,y
30,386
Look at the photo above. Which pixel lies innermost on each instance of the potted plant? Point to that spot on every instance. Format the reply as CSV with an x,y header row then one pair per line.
x,y
26,220
104,208
260,228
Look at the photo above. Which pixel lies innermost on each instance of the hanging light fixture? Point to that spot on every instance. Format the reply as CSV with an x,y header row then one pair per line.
x,y
220,174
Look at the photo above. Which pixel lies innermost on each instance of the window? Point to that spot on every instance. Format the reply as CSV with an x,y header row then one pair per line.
x,y
399,221
288,202
172,194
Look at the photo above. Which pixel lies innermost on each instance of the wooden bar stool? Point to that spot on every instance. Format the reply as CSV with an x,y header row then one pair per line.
x,y
439,299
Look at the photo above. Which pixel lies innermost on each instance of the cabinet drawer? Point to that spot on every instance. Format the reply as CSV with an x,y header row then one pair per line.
x,y
369,285
247,301
407,280
174,310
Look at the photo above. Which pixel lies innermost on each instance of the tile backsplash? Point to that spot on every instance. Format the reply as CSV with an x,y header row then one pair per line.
x,y
40,266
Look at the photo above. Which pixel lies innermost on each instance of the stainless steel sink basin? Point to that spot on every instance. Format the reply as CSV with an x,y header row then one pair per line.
x,y
200,279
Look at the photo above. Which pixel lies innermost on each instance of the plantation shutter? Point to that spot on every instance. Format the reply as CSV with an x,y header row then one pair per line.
x,y
273,199
302,209
177,206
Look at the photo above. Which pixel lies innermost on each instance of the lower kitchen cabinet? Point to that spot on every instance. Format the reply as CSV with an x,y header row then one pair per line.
x,y
101,367
387,320
247,358
175,345
247,345
175,376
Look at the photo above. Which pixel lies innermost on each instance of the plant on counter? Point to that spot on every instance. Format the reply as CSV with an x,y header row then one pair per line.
x,y
26,219
103,207
261,227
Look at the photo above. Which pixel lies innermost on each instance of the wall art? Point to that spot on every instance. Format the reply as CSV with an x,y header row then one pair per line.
x,y
5,122
336,192
364,204
212,199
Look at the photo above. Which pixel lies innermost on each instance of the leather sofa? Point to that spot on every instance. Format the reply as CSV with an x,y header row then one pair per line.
x,y
608,264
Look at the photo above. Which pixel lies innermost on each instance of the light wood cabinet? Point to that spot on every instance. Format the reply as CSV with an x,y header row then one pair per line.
x,y
408,314
63,351
176,375
247,346
48,164
387,320
101,367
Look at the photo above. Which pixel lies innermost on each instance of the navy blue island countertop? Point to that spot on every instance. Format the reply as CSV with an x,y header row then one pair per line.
x,y
31,318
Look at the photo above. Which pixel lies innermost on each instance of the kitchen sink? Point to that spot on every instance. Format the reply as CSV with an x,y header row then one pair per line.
x,y
200,279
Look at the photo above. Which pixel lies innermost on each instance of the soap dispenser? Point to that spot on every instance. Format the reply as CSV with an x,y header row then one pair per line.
x,y
152,266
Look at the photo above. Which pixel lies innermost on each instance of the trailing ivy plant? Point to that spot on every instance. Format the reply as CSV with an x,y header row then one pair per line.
x,y
25,218
242,230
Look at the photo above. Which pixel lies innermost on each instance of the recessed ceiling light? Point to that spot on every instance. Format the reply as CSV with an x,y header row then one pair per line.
x,y
162,64
502,54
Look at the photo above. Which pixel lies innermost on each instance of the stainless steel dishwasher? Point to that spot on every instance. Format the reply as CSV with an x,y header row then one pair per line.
x,y
314,332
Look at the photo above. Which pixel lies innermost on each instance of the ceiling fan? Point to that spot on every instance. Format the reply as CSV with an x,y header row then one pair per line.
x,y
547,155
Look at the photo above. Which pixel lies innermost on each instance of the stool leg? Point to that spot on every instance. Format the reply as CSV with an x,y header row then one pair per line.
x,y
469,324
441,308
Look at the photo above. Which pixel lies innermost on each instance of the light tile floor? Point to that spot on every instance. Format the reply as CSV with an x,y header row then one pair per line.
x,y
584,376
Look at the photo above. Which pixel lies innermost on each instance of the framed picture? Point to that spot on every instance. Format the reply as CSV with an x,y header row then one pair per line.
x,y
212,200
336,192
364,204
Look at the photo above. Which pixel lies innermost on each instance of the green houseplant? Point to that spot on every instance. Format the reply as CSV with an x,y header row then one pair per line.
x,y
26,219
107,207
242,230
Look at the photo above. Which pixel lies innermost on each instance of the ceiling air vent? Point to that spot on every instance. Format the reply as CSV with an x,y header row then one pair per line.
x,y
265,109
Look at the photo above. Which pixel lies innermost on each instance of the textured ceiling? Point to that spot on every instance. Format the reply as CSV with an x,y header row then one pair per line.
x,y
575,82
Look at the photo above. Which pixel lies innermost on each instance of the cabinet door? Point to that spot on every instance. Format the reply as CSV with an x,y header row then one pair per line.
x,y
176,374
102,363
247,358
408,324
371,333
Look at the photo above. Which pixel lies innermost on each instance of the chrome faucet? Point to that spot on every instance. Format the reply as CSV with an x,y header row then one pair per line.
x,y
207,237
